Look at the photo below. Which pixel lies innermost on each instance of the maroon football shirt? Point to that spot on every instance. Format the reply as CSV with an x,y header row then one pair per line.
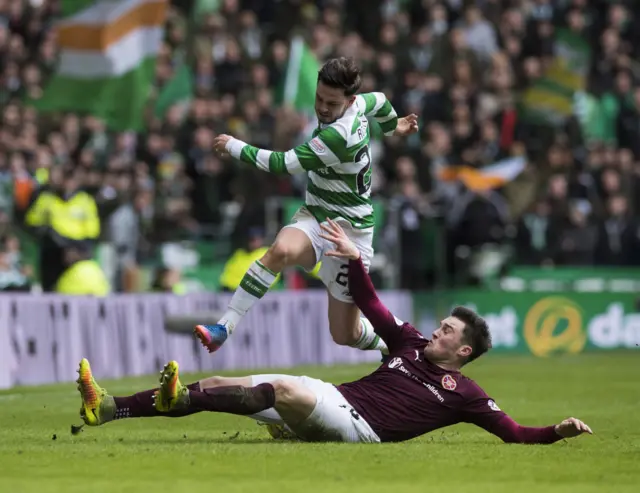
x,y
408,395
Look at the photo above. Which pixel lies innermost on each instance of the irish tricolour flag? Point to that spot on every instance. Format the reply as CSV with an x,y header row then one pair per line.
x,y
108,51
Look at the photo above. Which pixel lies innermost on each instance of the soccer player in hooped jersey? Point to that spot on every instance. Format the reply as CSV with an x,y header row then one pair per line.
x,y
418,390
338,165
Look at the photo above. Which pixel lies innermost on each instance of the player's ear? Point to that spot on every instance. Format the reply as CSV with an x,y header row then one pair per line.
x,y
352,99
465,350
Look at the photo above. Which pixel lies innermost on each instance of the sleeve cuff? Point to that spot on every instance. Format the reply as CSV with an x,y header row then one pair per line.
x,y
235,146
553,435
356,260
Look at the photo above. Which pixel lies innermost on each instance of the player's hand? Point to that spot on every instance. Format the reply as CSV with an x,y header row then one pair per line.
x,y
572,427
407,125
334,233
220,144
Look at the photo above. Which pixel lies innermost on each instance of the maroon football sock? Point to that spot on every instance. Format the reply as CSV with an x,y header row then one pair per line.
x,y
140,405
234,399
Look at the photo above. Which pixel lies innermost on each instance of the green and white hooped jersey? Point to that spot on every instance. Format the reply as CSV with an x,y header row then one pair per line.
x,y
337,160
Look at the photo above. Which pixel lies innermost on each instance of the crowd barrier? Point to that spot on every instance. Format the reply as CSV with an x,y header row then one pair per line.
x,y
43,337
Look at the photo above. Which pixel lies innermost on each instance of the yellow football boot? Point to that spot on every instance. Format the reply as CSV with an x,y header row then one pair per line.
x,y
98,407
172,395
278,431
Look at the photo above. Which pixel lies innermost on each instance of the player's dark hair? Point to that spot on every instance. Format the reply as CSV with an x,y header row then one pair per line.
x,y
341,73
476,332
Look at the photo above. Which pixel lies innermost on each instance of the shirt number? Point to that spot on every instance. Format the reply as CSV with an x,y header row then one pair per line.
x,y
352,411
343,276
364,176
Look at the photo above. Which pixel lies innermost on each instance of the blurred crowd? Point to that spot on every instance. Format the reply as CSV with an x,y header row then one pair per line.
x,y
461,65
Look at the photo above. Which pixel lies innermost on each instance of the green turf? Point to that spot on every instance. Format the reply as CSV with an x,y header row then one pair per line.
x,y
222,453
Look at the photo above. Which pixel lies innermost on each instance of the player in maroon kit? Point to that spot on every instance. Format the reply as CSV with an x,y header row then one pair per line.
x,y
418,389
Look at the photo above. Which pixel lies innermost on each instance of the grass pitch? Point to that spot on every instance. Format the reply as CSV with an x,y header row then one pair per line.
x,y
216,452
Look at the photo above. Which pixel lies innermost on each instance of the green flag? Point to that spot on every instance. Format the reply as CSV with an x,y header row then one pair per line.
x,y
203,8
550,100
301,76
178,90
107,60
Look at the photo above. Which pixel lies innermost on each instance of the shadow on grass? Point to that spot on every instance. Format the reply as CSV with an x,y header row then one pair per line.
x,y
272,442
214,440
176,441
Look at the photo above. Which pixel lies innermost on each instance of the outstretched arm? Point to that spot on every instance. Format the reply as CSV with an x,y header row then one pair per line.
x,y
327,149
366,299
484,412
509,431
376,105
386,325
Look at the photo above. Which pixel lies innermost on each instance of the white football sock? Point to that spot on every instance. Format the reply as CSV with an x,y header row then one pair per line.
x,y
254,285
369,340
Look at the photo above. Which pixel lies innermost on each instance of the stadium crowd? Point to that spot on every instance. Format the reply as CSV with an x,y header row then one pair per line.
x,y
462,66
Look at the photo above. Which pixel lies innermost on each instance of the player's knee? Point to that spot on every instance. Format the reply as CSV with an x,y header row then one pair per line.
x,y
285,391
278,256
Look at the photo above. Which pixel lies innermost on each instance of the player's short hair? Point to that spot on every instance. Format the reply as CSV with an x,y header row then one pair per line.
x,y
341,73
476,332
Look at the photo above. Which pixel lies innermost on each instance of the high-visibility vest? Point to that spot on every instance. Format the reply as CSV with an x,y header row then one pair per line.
x,y
75,218
238,265
83,278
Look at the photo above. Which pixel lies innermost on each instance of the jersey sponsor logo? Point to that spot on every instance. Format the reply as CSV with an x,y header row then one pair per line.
x,y
493,405
449,383
554,324
396,363
317,145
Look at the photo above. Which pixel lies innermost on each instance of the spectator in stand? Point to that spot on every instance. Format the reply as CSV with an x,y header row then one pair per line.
x,y
14,276
618,235
167,280
66,221
536,232
576,242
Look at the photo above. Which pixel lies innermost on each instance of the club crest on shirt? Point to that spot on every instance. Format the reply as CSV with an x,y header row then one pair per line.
x,y
493,405
449,383
395,362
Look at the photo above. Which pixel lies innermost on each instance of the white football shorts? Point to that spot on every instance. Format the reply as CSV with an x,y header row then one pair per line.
x,y
332,420
334,271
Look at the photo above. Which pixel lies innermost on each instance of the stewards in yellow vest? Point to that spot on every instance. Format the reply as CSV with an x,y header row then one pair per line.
x,y
74,217
83,278
64,217
239,263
